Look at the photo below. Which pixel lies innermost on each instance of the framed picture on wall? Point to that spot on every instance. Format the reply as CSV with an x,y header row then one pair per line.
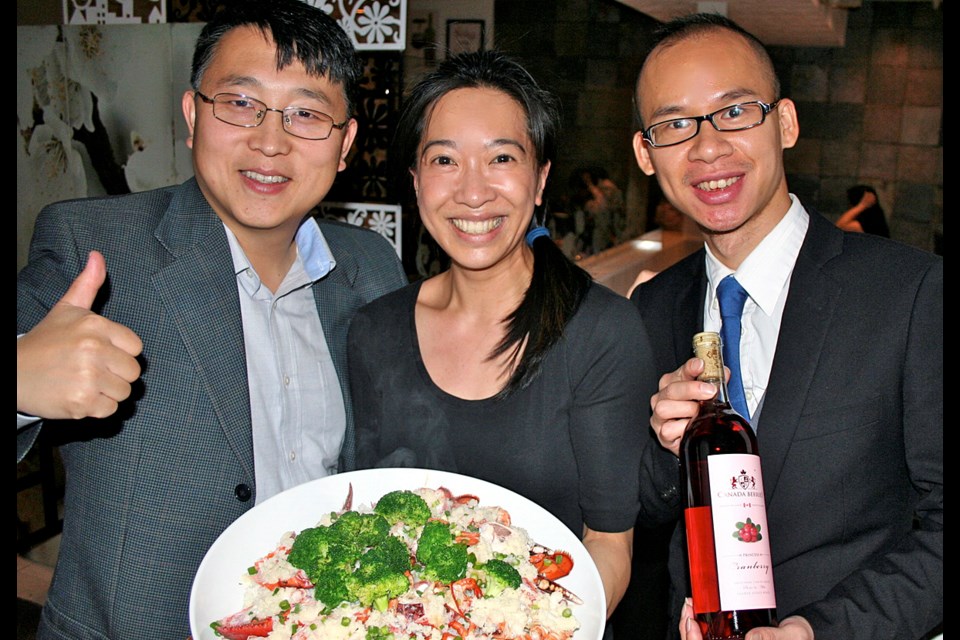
x,y
465,36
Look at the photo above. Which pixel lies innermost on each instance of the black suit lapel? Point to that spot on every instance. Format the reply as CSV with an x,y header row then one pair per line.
x,y
672,307
688,314
810,306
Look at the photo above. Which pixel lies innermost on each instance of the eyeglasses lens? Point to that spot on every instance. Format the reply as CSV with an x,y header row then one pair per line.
x,y
732,118
243,111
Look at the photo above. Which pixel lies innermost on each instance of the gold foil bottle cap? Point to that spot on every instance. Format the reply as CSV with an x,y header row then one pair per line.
x,y
707,347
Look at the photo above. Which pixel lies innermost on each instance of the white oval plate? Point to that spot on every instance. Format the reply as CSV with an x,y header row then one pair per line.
x,y
217,590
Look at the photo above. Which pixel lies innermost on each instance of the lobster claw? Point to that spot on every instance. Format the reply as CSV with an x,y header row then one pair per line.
x,y
551,565
549,586
453,500
240,626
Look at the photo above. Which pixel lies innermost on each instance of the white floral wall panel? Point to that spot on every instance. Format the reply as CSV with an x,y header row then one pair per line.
x,y
98,111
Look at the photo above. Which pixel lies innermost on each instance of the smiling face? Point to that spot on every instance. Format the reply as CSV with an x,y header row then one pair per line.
x,y
477,179
262,181
731,183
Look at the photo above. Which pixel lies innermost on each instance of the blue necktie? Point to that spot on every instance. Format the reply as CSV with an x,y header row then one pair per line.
x,y
731,297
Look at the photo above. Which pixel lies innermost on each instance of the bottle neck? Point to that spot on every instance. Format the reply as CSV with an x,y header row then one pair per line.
x,y
722,396
707,348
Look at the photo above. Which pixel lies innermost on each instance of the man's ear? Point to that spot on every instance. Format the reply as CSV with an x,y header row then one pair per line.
x,y
642,152
349,133
789,125
189,105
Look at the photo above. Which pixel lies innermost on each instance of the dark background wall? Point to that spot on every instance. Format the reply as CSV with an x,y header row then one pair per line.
x,y
870,112
588,52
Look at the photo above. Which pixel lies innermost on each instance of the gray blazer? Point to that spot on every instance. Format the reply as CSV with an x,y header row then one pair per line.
x,y
149,489
850,433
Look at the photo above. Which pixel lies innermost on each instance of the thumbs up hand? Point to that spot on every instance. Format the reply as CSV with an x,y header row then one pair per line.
x,y
75,363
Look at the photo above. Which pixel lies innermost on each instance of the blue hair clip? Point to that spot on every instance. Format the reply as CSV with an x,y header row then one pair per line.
x,y
536,232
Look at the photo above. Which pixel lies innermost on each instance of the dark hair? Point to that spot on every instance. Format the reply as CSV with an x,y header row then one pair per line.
x,y
855,194
298,30
557,286
696,24
485,69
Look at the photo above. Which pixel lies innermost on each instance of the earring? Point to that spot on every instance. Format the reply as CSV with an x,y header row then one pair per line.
x,y
536,232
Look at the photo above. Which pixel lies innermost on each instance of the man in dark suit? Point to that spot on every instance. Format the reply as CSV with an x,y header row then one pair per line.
x,y
241,302
841,351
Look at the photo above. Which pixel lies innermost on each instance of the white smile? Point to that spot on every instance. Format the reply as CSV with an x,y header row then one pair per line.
x,y
259,177
477,227
713,185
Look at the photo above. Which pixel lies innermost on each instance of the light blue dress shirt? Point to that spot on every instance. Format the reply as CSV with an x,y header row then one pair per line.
x,y
296,404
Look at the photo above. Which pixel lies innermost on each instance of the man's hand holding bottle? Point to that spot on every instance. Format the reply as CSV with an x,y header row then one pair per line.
x,y
677,402
792,628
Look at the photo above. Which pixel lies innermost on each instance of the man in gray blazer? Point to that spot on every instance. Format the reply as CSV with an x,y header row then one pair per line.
x,y
241,302
841,351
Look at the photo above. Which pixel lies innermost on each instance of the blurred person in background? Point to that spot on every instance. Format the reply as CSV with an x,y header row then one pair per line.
x,y
865,214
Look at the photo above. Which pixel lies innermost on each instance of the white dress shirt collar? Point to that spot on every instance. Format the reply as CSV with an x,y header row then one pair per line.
x,y
764,273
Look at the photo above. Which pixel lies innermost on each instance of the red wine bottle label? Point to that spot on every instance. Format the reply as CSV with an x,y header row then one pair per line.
x,y
740,536
703,560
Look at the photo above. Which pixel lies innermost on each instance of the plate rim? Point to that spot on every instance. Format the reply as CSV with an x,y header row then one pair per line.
x,y
430,478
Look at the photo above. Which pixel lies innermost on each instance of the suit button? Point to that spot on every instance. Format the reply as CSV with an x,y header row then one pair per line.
x,y
242,492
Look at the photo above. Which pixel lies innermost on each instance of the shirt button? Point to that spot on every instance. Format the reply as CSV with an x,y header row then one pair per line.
x,y
243,492
286,380
293,455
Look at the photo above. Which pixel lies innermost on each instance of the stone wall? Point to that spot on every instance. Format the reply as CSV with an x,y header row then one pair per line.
x,y
870,112
588,52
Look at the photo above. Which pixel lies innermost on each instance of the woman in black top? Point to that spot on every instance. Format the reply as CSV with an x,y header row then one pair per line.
x,y
511,365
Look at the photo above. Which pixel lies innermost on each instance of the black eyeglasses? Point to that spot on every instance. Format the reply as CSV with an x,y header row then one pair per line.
x,y
737,117
244,111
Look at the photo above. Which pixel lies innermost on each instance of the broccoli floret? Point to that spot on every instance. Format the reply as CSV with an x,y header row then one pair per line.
x,y
308,546
360,530
447,564
435,535
331,586
403,506
391,552
318,547
381,574
499,576
442,557
374,583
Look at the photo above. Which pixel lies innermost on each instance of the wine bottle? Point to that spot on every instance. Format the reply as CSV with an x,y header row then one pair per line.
x,y
728,543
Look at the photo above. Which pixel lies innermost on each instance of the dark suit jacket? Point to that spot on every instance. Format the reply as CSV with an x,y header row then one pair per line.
x,y
149,489
850,432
